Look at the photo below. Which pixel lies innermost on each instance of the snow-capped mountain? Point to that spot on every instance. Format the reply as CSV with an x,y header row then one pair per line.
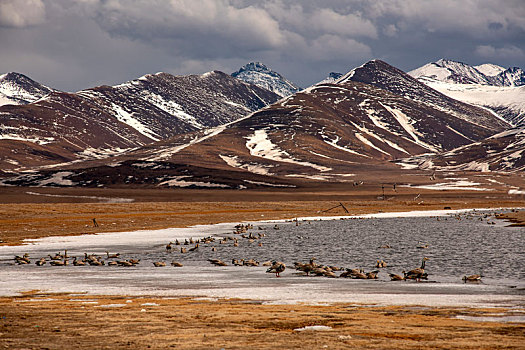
x,y
500,90
258,74
18,89
387,77
452,72
105,120
328,132
455,72
489,69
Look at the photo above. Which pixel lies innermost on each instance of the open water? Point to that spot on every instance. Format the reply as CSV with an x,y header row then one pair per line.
x,y
458,245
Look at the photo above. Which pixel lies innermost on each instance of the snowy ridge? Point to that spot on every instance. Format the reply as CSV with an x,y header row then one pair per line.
x,y
258,74
151,108
501,152
449,71
18,89
506,101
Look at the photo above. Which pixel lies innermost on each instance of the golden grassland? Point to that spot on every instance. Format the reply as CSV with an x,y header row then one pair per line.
x,y
73,321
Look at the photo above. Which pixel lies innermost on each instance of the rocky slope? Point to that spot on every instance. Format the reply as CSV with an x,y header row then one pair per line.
x,y
258,74
65,127
371,118
18,89
500,90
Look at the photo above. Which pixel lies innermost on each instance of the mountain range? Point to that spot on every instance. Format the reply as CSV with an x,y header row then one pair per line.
x,y
500,90
217,130
367,121
461,73
62,127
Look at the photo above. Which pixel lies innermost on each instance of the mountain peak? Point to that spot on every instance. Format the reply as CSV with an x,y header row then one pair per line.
x,y
259,74
19,89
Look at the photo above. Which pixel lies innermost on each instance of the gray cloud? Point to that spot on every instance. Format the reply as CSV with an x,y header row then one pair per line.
x,y
74,44
21,13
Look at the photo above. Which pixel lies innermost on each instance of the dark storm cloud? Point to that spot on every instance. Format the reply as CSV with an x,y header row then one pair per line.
x,y
76,44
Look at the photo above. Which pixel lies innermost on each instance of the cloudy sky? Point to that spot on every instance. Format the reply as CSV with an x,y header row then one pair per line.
x,y
75,44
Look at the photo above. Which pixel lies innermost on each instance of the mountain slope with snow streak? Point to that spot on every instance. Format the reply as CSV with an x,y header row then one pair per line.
x,y
258,74
64,127
506,101
387,77
328,132
503,152
18,89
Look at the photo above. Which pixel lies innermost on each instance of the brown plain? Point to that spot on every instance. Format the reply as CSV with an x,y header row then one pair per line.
x,y
64,322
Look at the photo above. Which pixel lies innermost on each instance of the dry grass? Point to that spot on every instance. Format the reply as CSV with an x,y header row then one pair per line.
x,y
20,218
65,323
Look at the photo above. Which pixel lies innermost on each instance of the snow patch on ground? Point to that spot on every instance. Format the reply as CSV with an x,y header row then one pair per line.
x,y
406,123
260,145
171,107
127,118
58,179
178,181
458,185
234,162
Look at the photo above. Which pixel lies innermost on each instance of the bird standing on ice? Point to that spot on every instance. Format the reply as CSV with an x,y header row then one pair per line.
x,y
277,267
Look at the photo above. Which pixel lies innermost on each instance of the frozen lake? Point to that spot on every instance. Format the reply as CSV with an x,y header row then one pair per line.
x,y
458,245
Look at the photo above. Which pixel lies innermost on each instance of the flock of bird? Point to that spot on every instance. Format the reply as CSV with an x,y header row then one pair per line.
x,y
241,231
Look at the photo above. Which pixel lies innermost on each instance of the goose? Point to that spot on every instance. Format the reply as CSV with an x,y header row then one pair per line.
x,y
78,262
422,246
57,256
95,262
394,277
360,275
306,268
472,278
126,263
194,248
168,246
112,256
177,242
176,264
134,261
372,275
112,263
250,262
237,262
217,262
57,263
40,262
350,272
418,273
380,264
183,250
159,264
22,260
213,249
267,263
277,267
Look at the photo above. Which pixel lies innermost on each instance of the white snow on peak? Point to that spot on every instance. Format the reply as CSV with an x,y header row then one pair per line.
x,y
511,98
258,74
450,71
490,69
17,89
